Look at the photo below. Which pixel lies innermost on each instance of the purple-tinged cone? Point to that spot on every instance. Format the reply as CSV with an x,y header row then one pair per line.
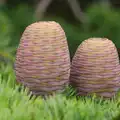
x,y
95,68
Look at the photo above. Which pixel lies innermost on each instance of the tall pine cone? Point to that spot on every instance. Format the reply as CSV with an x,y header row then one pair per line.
x,y
95,68
42,59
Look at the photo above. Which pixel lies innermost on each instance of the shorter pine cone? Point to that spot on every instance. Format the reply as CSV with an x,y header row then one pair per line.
x,y
95,68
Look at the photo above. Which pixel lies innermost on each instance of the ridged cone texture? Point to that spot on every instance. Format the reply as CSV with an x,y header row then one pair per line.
x,y
42,59
95,68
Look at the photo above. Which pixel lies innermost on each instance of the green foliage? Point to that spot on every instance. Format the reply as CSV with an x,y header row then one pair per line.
x,y
20,16
17,105
13,23
7,74
103,22
5,39
5,26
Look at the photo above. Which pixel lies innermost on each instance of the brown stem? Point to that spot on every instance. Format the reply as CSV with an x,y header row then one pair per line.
x,y
41,8
2,2
74,4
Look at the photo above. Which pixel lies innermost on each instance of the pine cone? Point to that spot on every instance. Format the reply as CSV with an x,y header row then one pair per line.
x,y
42,59
95,68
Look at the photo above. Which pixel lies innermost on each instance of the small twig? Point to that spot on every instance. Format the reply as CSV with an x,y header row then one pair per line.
x,y
2,2
74,4
41,8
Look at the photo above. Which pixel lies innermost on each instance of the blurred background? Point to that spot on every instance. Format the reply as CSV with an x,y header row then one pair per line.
x,y
80,20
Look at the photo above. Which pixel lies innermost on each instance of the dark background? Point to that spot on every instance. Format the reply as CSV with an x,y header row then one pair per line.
x,y
100,18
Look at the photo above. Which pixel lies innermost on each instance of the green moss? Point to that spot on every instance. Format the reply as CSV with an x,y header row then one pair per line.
x,y
17,105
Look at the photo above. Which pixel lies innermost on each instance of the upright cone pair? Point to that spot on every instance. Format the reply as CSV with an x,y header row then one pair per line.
x,y
42,59
95,68
43,62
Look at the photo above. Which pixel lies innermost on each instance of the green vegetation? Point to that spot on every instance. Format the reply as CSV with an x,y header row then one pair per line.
x,y
16,104
103,21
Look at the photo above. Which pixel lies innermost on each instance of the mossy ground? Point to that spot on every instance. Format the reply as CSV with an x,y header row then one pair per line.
x,y
17,104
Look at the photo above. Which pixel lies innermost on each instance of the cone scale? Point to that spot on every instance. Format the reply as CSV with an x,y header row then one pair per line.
x,y
42,59
95,68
